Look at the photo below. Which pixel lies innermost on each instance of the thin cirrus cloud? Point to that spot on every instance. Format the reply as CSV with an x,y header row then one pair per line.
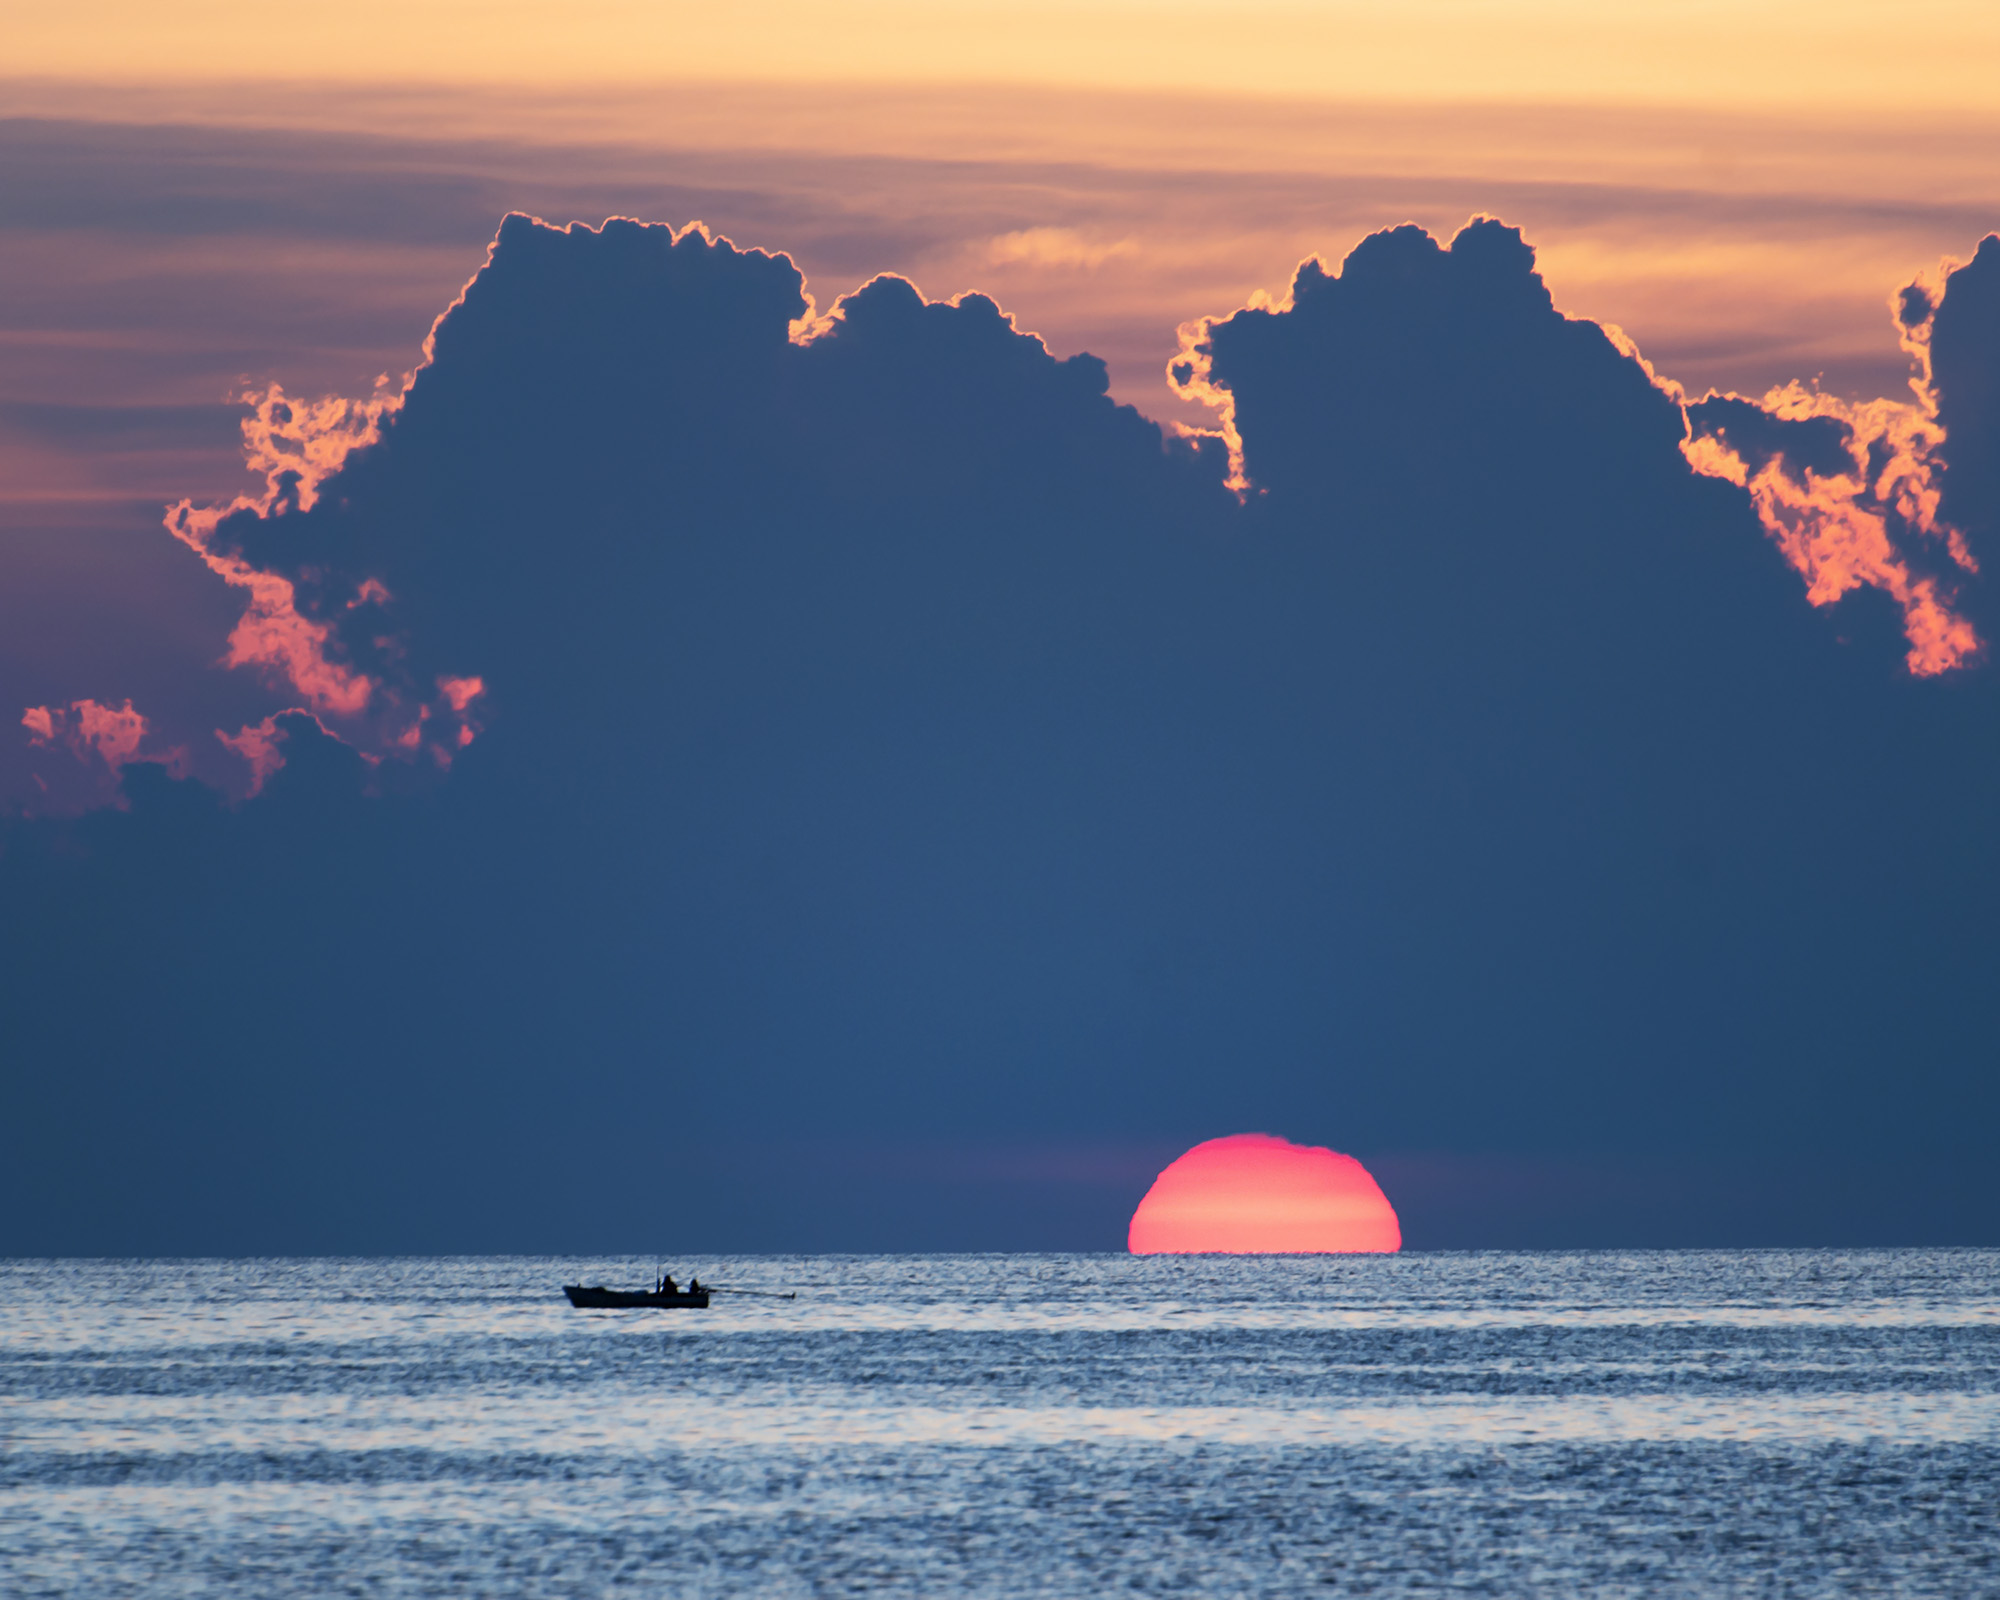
x,y
883,732
1055,247
161,247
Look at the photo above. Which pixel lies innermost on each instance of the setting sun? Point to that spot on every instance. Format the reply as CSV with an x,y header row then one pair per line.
x,y
1252,1194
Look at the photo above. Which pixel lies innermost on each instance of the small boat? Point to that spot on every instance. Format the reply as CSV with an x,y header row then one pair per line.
x,y
599,1298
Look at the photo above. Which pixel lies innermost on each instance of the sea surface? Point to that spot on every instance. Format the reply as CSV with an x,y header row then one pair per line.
x,y
1660,1424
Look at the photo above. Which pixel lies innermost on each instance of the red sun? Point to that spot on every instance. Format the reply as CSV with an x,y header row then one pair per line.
x,y
1251,1194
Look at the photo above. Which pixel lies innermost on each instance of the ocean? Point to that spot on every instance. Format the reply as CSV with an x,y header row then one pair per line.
x,y
1755,1423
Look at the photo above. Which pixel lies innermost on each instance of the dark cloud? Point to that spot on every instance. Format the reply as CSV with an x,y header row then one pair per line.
x,y
733,732
1963,346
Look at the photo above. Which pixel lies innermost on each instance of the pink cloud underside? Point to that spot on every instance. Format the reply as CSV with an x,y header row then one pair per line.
x,y
115,735
1839,531
261,745
1253,1194
461,692
257,744
296,445
307,440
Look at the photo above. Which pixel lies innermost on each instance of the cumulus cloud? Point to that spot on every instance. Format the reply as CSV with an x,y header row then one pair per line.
x,y
630,354
860,720
636,352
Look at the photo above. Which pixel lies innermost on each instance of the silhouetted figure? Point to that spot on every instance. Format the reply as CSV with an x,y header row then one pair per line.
x,y
667,1284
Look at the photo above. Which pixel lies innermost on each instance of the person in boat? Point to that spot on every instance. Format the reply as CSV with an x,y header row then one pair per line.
x,y
694,1286
667,1284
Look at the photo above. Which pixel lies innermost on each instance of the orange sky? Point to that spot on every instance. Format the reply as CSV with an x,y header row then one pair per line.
x,y
1928,54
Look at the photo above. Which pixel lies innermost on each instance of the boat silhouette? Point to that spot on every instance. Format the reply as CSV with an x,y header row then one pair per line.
x,y
665,1293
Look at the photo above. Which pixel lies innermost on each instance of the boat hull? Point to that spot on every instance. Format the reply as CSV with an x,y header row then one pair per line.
x,y
599,1298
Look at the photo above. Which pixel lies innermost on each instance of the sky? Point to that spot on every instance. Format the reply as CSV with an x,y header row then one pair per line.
x,y
1091,606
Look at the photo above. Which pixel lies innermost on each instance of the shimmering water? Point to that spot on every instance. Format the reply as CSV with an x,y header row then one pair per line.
x,y
1765,1423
